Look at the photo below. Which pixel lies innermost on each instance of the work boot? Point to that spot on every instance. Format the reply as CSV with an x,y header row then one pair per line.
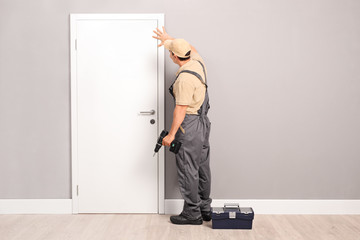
x,y
206,216
180,219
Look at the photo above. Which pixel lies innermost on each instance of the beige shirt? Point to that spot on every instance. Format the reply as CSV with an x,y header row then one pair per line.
x,y
188,89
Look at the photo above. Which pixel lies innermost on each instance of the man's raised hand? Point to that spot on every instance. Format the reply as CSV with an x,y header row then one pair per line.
x,y
162,36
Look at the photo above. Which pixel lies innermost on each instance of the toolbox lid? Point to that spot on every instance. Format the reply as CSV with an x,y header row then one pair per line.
x,y
245,213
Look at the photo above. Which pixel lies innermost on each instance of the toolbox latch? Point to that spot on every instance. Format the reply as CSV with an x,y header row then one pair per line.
x,y
232,214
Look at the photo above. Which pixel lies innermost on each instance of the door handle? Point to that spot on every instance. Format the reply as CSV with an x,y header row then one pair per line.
x,y
152,112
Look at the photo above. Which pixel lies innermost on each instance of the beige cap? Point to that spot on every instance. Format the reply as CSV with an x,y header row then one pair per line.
x,y
178,46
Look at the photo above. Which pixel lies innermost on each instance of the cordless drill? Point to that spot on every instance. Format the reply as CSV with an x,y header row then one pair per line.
x,y
174,146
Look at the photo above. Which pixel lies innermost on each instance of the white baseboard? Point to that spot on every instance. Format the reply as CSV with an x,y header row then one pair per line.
x,y
35,206
174,206
273,206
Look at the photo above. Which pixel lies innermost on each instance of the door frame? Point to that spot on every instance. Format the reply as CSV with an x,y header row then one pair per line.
x,y
74,121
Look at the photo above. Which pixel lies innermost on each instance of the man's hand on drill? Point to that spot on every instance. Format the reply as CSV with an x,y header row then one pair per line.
x,y
168,140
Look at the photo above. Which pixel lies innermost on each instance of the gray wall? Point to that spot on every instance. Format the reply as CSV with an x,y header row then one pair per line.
x,y
284,83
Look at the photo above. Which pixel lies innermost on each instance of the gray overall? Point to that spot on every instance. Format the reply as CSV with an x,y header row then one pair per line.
x,y
193,159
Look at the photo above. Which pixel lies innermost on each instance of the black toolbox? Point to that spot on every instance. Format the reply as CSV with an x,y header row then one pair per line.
x,y
231,216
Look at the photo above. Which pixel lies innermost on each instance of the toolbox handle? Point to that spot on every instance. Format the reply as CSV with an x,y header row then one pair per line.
x,y
231,205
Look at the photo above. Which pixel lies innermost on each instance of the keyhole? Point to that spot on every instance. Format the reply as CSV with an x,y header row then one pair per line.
x,y
152,121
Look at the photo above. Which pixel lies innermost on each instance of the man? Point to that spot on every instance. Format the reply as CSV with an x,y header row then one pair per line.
x,y
191,126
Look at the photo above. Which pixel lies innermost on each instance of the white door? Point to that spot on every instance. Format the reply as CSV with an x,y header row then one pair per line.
x,y
117,83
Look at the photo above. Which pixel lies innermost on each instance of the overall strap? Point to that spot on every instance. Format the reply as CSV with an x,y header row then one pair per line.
x,y
205,106
203,70
193,73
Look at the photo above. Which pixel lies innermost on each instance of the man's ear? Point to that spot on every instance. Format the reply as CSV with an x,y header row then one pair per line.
x,y
176,58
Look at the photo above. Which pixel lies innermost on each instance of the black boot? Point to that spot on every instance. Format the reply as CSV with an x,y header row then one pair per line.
x,y
180,219
206,216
